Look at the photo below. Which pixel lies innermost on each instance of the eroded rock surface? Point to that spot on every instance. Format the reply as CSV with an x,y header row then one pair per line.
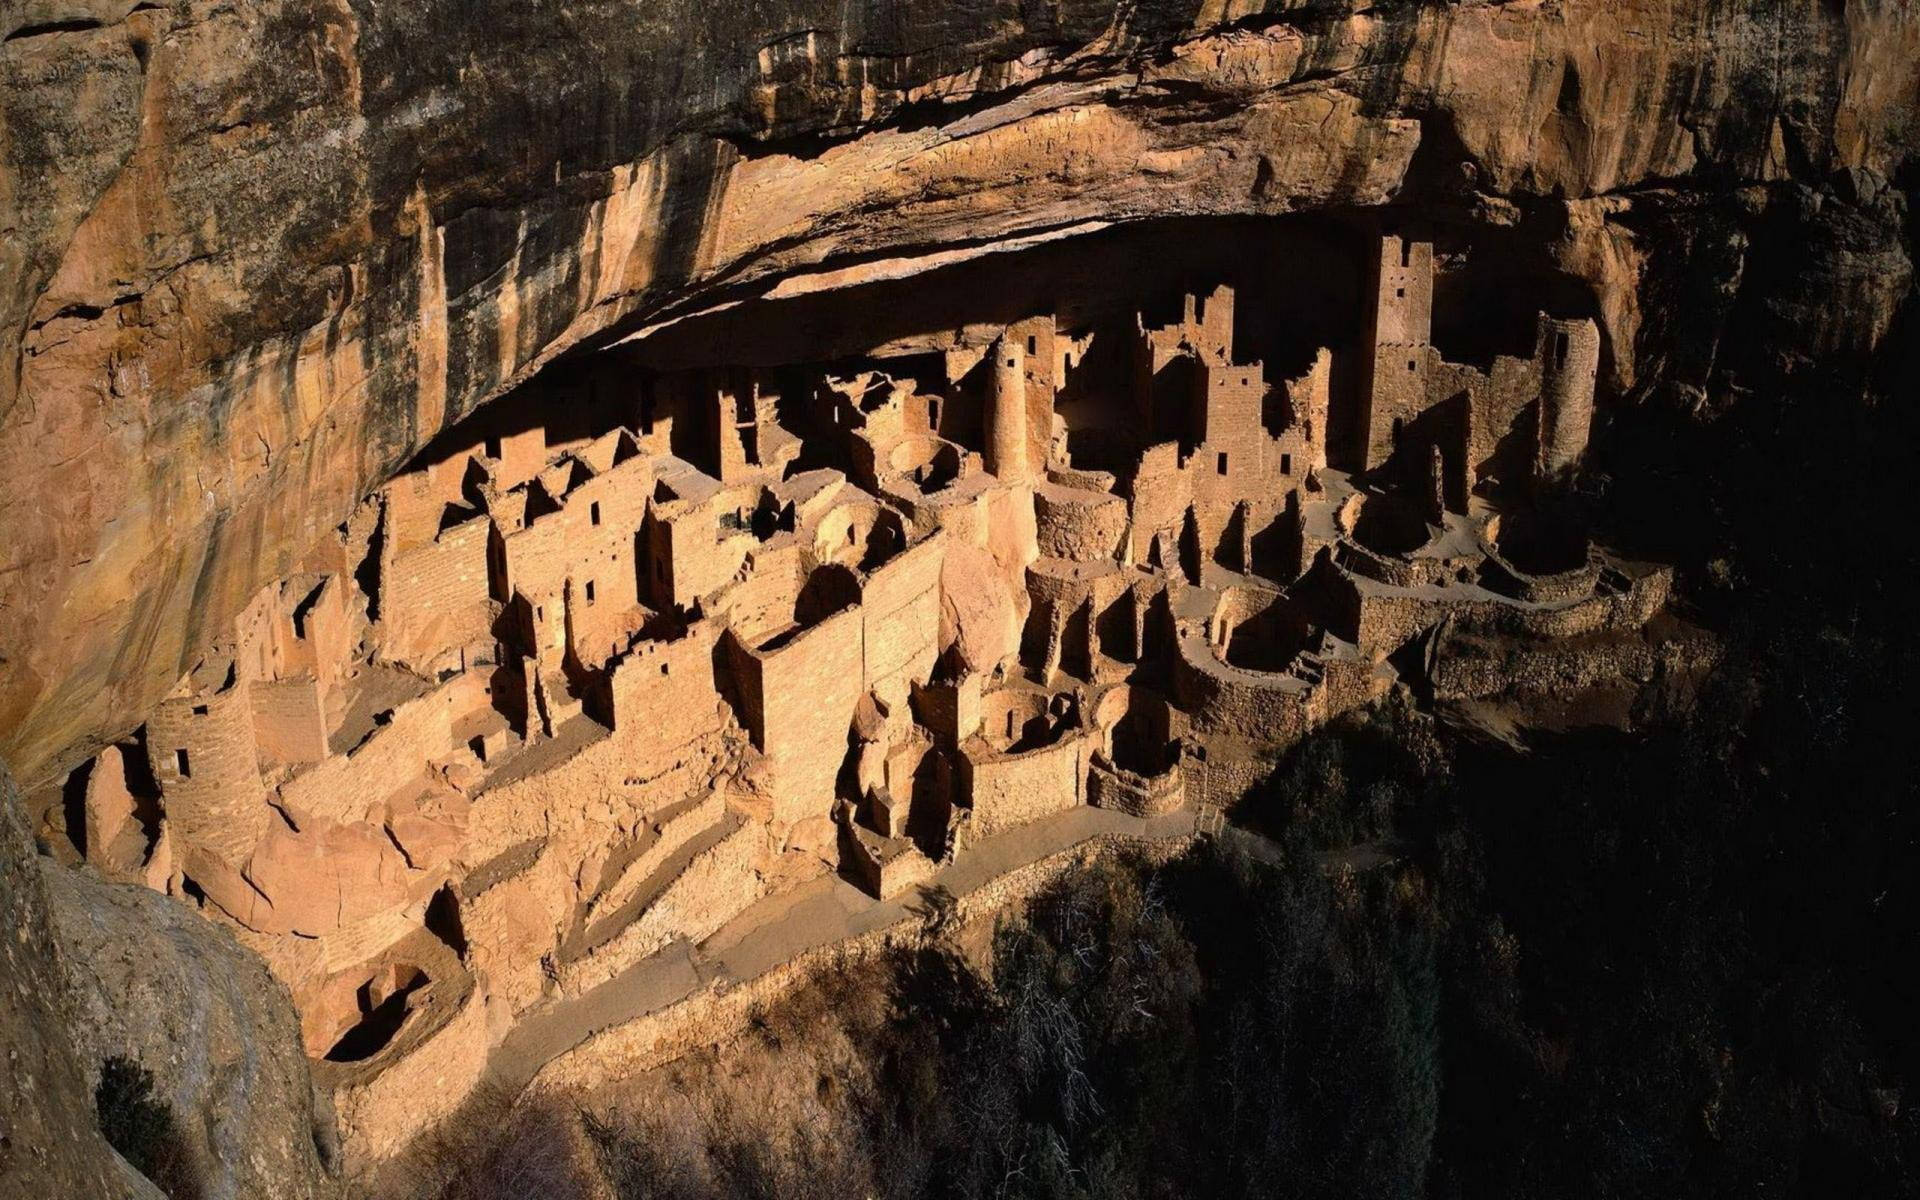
x,y
50,1142
154,983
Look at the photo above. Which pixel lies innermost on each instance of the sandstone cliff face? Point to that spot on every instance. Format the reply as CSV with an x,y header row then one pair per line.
x,y
50,1144
154,982
255,257
94,971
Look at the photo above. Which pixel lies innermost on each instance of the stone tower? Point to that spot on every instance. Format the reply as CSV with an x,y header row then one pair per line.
x,y
1007,410
1401,337
1569,356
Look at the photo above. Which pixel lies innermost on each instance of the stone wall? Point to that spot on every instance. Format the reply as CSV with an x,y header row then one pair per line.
x,y
203,753
798,702
1010,790
716,885
900,616
289,721
344,787
1077,524
436,596
663,1035
665,694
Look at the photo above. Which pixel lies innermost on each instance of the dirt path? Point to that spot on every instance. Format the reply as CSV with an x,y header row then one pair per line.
x,y
780,928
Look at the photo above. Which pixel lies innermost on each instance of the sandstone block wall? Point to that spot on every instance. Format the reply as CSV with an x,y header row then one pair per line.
x,y
900,615
714,887
665,694
437,596
799,700
1010,790
289,721
203,753
344,787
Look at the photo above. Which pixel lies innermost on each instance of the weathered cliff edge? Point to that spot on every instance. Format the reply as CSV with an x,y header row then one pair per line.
x,y
50,1144
255,257
95,970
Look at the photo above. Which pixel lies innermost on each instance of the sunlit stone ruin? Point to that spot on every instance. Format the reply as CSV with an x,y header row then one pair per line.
x,y
663,634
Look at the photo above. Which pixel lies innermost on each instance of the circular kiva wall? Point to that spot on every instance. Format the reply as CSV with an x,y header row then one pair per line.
x,y
1537,544
1220,696
859,534
1539,559
1016,720
1136,729
930,462
1385,524
1078,524
1258,630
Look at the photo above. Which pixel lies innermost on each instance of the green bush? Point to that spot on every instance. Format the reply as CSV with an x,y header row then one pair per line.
x,y
142,1128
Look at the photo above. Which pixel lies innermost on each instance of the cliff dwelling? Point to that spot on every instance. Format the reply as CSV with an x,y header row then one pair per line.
x,y
958,601
853,586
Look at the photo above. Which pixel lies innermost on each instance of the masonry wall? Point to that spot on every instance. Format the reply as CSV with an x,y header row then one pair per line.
x,y
603,603
1310,398
522,454
213,798
665,695
1568,353
900,615
1223,699
763,603
435,598
1161,494
1078,524
693,555
1012,790
1041,345
1230,402
800,700
1135,795
715,886
1502,431
346,786
328,640
415,503
1400,334
289,721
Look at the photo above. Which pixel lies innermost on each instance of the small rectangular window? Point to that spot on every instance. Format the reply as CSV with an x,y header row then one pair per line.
x,y
663,669
1559,349
1399,293
1412,365
593,513
539,612
1033,345
933,412
1009,726
493,447
199,710
180,763
589,591
1223,464
1406,254
1286,464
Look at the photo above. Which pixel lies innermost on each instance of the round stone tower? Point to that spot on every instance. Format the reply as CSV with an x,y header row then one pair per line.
x,y
1569,356
1007,411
